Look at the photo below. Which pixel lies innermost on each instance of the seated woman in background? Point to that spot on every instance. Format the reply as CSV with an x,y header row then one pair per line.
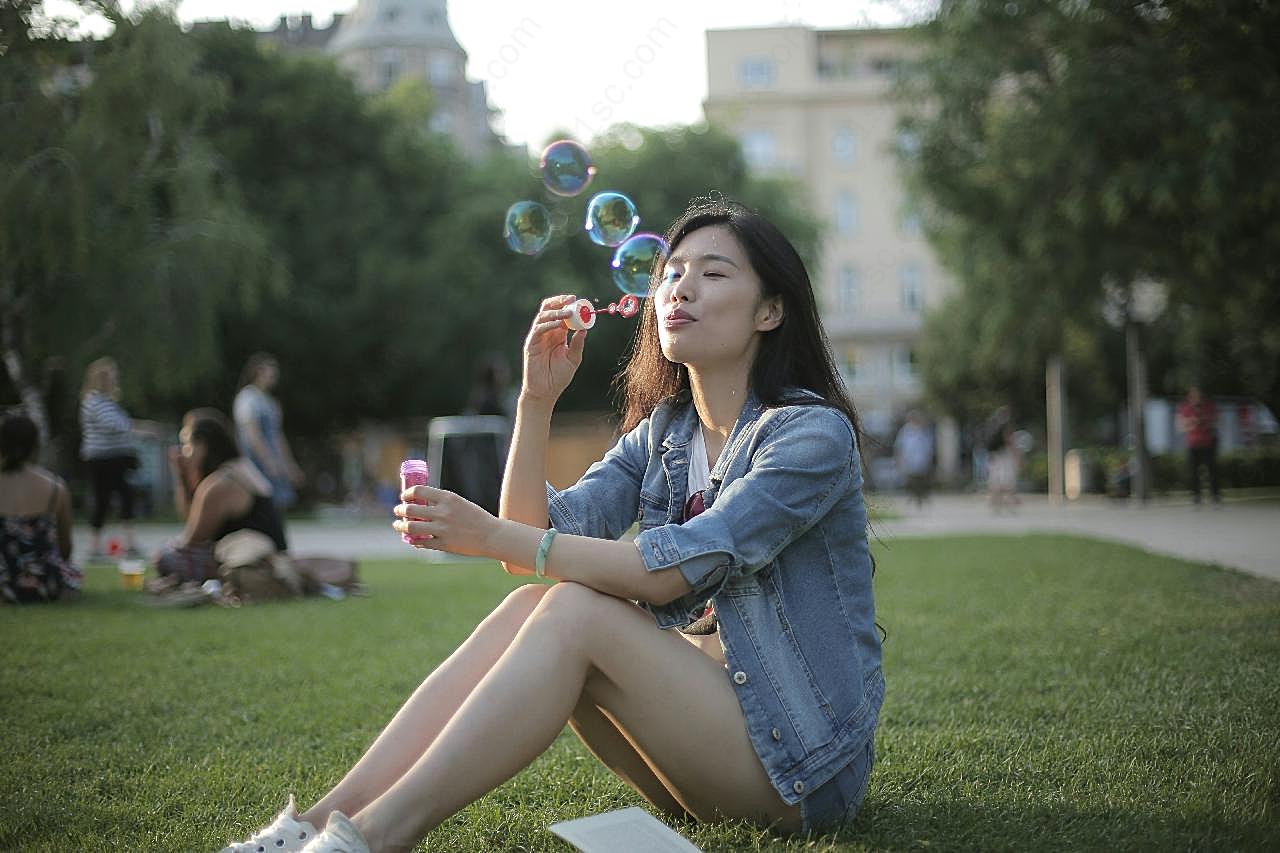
x,y
35,520
216,492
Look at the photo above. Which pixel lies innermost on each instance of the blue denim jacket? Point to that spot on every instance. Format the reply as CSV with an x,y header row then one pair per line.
x,y
782,551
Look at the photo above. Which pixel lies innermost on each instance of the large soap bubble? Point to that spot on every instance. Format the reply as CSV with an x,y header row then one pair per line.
x,y
566,167
611,218
528,227
634,262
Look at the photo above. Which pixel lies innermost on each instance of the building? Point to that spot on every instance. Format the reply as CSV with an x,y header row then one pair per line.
x,y
816,105
385,41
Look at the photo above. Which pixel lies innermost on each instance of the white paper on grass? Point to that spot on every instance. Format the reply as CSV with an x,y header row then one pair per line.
x,y
631,830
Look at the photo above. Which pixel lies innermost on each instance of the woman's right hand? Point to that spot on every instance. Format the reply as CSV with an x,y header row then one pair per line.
x,y
551,356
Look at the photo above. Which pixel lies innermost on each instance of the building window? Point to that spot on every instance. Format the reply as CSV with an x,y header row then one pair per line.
x,y
391,15
846,214
848,290
905,365
441,71
849,363
757,73
909,223
908,143
759,149
911,282
844,146
389,67
884,66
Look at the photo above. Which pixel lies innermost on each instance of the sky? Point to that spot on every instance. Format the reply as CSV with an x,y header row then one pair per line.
x,y
561,64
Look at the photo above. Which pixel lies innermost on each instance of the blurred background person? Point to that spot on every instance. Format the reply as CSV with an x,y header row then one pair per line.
x,y
913,451
35,520
107,446
260,428
216,492
1004,458
1197,420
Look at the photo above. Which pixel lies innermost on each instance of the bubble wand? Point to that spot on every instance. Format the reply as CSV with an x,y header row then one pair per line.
x,y
584,313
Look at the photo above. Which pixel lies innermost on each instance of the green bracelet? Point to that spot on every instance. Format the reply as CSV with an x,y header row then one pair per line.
x,y
540,561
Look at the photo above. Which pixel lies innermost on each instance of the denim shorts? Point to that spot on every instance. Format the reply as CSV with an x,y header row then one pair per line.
x,y
835,802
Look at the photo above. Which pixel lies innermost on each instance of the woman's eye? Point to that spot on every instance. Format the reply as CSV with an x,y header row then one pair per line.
x,y
670,275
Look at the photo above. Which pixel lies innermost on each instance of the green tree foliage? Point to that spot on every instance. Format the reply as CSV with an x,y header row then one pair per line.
x,y
229,198
119,233
1061,145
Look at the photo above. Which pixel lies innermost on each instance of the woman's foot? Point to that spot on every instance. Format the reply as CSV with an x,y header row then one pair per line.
x,y
340,836
286,834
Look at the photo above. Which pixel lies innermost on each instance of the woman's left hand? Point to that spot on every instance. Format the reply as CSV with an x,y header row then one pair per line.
x,y
443,521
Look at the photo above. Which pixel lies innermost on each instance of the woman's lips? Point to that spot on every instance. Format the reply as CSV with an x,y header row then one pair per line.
x,y
678,318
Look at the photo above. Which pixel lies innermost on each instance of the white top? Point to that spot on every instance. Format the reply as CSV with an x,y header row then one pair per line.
x,y
699,465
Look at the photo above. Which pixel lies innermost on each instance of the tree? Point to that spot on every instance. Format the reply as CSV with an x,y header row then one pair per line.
x,y
158,240
1064,145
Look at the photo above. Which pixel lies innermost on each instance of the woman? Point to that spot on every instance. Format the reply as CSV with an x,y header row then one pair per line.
x,y
741,465
260,427
107,446
216,491
35,521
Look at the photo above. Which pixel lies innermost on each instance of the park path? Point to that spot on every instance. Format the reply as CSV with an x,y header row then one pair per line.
x,y
1243,535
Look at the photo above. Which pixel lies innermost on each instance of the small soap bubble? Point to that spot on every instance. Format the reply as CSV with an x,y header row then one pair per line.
x,y
528,227
611,218
566,168
634,262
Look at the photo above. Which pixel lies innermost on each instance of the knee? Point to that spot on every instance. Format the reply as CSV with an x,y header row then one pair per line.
x,y
524,599
575,610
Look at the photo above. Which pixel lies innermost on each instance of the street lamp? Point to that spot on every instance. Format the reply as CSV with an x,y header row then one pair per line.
x,y
1132,307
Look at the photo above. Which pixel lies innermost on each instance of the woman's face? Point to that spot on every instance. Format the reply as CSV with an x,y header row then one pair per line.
x,y
267,376
709,303
110,378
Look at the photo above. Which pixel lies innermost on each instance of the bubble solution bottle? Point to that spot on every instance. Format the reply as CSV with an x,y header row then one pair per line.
x,y
413,472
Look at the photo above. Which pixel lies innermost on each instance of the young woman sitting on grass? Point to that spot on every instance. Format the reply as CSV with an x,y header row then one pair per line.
x,y
216,491
35,521
740,464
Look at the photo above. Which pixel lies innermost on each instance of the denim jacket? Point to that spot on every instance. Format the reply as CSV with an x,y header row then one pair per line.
x,y
781,549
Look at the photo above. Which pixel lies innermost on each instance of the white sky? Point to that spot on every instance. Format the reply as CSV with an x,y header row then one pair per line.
x,y
564,63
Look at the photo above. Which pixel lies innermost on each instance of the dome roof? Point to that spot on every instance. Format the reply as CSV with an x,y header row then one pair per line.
x,y
386,23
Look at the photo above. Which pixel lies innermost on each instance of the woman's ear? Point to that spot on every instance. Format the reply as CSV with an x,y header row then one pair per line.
x,y
770,315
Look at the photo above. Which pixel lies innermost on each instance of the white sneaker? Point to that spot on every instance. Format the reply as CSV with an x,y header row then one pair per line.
x,y
286,834
340,836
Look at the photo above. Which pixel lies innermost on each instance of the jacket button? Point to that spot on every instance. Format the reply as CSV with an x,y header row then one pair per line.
x,y
739,677
798,787
777,735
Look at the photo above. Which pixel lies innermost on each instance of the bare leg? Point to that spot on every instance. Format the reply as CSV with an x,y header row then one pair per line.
x,y
426,712
610,744
672,700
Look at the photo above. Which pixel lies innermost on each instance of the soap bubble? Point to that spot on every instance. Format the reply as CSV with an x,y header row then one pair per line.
x,y
528,227
566,167
634,262
611,218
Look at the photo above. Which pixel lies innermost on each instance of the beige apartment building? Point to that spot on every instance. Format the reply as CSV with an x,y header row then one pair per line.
x,y
816,105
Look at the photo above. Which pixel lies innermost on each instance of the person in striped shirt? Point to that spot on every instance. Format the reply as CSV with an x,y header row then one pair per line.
x,y
107,446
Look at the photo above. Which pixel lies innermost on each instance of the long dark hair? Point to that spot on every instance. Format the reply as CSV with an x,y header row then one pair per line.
x,y
19,440
795,354
212,429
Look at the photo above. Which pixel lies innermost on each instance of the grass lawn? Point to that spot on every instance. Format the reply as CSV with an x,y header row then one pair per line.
x,y
1044,693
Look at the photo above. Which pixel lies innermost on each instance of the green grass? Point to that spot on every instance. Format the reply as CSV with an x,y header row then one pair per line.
x,y
1044,692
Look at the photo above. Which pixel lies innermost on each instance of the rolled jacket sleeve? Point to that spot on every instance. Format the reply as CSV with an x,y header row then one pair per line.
x,y
800,466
